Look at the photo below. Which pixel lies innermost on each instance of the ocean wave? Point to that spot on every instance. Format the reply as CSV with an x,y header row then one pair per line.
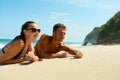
x,y
75,45
1,45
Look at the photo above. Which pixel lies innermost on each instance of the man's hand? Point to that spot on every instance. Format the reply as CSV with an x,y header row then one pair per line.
x,y
62,54
78,54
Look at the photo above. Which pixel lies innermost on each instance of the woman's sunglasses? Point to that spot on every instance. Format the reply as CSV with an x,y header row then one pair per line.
x,y
34,30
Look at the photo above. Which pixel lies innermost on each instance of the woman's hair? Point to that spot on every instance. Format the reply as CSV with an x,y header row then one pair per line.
x,y
24,26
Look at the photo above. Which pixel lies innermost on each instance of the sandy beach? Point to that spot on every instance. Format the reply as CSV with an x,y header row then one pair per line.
x,y
98,63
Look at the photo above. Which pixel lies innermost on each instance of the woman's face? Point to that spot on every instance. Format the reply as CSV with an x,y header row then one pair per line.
x,y
32,31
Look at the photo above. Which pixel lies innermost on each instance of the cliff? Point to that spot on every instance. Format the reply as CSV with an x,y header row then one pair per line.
x,y
108,33
92,36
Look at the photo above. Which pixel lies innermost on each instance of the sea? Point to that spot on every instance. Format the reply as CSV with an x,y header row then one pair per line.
x,y
3,42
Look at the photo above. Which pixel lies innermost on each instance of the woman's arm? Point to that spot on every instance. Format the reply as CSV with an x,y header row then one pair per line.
x,y
31,56
11,61
11,50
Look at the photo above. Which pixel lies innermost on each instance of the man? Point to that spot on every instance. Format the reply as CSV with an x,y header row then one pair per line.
x,y
53,47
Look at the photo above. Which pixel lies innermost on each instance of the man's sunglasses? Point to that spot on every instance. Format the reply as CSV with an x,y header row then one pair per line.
x,y
34,30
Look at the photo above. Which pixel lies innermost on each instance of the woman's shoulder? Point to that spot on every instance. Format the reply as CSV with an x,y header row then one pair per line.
x,y
15,44
18,42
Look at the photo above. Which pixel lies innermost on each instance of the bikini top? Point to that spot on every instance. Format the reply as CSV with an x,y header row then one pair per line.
x,y
17,56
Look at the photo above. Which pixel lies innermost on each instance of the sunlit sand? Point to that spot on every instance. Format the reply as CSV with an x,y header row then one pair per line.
x,y
98,63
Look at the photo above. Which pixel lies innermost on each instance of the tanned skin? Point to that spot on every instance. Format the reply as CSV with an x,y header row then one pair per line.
x,y
50,46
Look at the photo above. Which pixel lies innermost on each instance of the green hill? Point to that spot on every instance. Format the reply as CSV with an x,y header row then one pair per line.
x,y
108,33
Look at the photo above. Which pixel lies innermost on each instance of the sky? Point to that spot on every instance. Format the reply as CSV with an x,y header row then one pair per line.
x,y
79,16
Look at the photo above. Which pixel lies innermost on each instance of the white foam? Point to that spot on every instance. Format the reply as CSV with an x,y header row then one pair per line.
x,y
75,45
1,45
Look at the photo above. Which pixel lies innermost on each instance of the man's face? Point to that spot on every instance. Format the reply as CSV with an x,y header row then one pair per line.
x,y
59,34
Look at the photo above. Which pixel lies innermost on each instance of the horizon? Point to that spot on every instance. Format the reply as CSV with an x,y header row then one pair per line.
x,y
3,42
80,17
37,40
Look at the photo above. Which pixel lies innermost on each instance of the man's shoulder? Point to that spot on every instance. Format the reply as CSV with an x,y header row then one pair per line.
x,y
45,37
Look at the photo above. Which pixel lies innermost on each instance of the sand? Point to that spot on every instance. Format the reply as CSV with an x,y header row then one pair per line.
x,y
98,63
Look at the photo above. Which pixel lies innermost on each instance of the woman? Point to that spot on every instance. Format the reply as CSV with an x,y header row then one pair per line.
x,y
21,48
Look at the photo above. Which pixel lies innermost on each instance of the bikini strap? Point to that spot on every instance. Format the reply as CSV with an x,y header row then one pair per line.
x,y
3,50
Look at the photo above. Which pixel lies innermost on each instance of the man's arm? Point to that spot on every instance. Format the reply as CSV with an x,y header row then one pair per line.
x,y
77,53
54,55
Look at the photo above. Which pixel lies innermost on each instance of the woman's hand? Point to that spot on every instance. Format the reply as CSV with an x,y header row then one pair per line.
x,y
30,57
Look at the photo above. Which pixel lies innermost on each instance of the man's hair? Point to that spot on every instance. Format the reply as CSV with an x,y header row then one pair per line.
x,y
58,25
